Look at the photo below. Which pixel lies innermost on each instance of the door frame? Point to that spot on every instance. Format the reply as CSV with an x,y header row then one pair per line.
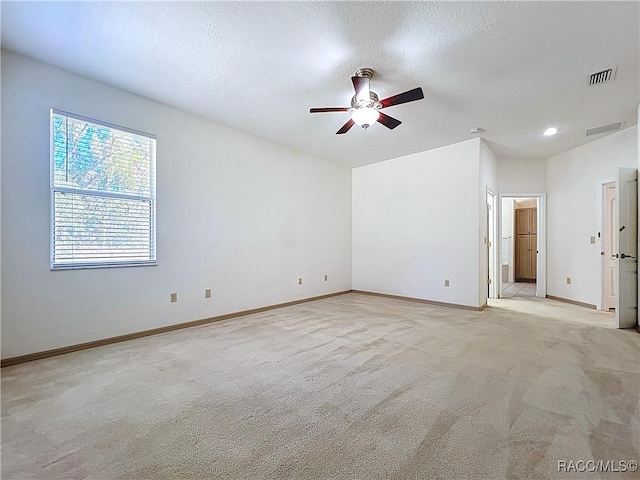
x,y
541,238
600,186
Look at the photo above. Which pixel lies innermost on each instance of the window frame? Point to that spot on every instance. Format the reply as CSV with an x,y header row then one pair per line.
x,y
104,194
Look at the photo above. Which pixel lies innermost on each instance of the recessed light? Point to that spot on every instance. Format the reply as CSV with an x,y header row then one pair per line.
x,y
551,131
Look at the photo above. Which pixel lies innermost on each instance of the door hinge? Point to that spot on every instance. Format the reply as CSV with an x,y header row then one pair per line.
x,y
489,281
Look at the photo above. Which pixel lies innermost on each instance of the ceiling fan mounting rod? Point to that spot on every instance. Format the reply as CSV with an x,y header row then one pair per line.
x,y
364,72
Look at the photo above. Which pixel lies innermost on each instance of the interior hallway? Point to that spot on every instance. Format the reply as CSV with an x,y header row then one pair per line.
x,y
353,386
518,289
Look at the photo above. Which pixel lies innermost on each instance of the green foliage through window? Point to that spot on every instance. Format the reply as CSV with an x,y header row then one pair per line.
x,y
103,194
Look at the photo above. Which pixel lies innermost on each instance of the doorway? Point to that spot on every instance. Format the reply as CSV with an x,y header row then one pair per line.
x,y
522,245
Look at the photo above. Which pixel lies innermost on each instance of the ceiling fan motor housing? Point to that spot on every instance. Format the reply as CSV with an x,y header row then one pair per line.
x,y
372,103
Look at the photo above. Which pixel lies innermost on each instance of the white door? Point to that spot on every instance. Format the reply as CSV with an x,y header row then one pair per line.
x,y
610,264
627,247
491,246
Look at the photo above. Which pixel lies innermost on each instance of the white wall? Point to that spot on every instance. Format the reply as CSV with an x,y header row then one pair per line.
x,y
638,155
416,223
235,213
522,175
487,181
573,179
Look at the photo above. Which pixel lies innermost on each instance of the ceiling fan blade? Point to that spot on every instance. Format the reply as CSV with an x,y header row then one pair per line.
x,y
409,96
329,109
388,121
361,84
345,128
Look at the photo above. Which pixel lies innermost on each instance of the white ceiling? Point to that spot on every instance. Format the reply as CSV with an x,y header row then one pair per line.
x,y
511,68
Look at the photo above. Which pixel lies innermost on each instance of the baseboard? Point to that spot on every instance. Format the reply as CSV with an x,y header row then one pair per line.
x,y
145,333
421,300
573,302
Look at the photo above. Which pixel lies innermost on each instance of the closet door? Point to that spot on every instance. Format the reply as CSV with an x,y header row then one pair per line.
x,y
533,220
523,262
523,224
533,255
526,244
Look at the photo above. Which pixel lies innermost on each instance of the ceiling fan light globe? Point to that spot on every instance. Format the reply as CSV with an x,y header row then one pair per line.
x,y
363,117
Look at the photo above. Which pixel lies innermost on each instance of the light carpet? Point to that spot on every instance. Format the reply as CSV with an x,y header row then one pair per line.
x,y
348,387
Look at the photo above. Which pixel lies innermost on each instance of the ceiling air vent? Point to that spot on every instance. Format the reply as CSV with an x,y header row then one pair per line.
x,y
603,76
604,129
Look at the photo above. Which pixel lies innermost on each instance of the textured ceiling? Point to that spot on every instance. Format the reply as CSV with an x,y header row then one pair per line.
x,y
511,68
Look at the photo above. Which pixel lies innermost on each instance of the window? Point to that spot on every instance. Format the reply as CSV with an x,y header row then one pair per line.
x,y
102,194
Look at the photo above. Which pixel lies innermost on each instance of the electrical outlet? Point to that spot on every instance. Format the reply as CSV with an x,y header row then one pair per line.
x,y
446,283
300,281
207,293
326,277
174,297
592,239
568,280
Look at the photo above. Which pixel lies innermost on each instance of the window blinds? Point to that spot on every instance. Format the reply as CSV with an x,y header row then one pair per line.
x,y
103,194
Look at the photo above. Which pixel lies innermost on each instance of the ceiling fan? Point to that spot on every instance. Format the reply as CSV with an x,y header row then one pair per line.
x,y
365,106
